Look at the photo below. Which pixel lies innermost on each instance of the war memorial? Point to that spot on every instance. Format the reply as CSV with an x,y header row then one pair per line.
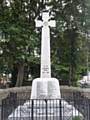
x,y
45,100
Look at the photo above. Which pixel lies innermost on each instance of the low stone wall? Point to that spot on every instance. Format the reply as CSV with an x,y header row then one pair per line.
x,y
65,91
68,91
5,92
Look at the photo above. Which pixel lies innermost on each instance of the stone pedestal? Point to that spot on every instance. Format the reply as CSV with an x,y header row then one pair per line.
x,y
45,88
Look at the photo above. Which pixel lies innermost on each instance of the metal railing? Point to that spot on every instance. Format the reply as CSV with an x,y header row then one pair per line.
x,y
76,107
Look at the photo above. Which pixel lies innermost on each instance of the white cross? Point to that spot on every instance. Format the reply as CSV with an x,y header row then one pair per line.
x,y
45,44
45,22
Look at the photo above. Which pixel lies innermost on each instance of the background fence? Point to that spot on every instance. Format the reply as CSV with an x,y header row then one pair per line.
x,y
20,107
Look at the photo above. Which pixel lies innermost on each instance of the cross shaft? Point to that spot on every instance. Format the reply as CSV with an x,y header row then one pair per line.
x,y
45,44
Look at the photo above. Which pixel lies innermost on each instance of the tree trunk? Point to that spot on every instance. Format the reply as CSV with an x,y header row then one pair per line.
x,y
20,75
72,75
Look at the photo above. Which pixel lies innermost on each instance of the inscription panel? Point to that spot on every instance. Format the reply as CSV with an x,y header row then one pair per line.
x,y
45,69
41,90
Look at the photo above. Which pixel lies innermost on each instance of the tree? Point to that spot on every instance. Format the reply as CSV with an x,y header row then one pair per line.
x,y
20,40
17,26
70,16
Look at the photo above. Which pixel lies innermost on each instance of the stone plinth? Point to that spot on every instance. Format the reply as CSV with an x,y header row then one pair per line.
x,y
45,88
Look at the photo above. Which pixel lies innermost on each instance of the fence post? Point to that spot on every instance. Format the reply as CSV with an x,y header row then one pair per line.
x,y
60,108
88,110
2,109
46,110
32,110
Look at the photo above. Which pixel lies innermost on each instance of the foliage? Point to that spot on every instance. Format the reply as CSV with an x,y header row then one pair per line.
x,y
71,47
20,41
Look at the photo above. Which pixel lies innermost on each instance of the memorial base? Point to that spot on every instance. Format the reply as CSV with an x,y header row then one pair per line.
x,y
45,88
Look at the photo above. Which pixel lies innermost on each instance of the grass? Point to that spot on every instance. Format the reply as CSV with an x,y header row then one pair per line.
x,y
76,118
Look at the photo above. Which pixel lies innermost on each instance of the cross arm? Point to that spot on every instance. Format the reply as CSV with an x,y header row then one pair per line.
x,y
52,23
38,23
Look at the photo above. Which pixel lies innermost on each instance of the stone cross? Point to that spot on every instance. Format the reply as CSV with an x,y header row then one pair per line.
x,y
46,23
